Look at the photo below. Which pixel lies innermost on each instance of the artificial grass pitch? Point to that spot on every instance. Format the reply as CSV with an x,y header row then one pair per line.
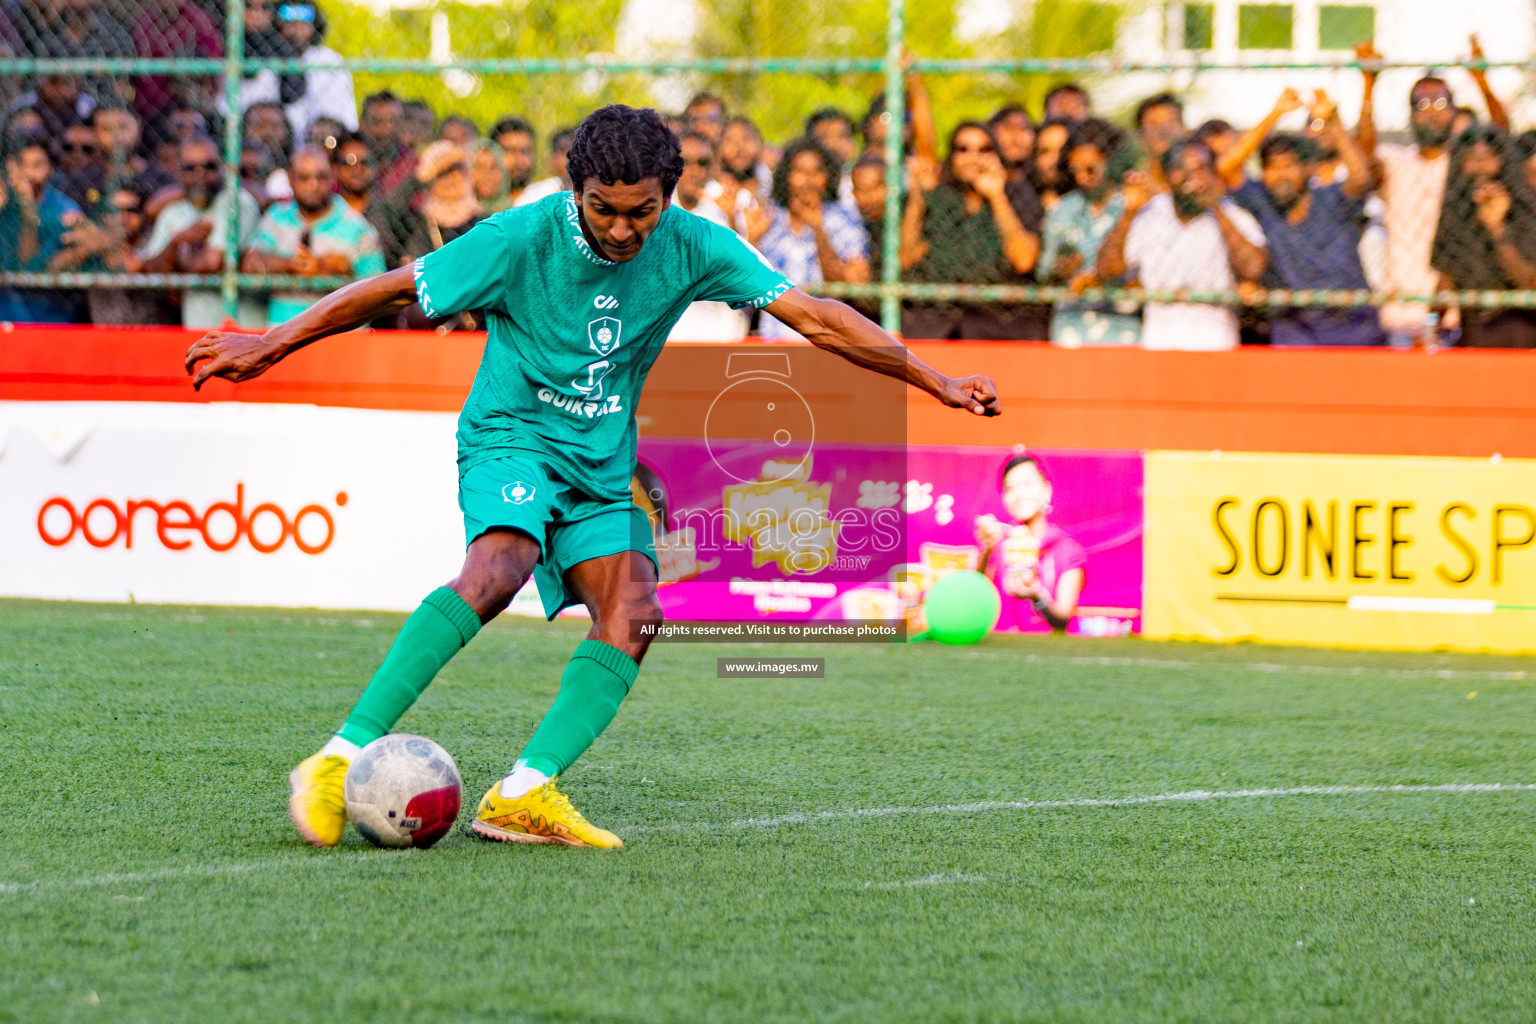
x,y
149,871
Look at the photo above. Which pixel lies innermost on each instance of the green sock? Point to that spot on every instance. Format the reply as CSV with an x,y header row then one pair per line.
x,y
433,634
595,682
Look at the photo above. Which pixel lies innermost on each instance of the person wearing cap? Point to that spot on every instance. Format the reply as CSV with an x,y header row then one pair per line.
x,y
328,89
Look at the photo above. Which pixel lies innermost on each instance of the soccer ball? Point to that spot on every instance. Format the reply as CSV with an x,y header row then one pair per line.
x,y
403,791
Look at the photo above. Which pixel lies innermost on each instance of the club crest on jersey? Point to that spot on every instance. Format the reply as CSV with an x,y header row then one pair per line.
x,y
517,492
603,333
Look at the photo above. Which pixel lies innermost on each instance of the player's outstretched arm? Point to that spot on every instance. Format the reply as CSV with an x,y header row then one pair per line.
x,y
243,356
831,325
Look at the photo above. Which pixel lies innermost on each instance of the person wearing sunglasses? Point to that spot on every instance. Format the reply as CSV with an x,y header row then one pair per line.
x,y
77,149
109,242
357,175
189,233
328,90
1411,182
313,234
968,222
1096,159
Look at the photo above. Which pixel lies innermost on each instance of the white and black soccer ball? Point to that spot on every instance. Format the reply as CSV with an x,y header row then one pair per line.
x,y
403,791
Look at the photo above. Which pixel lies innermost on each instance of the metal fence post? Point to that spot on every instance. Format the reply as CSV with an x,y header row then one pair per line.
x,y
896,110
234,53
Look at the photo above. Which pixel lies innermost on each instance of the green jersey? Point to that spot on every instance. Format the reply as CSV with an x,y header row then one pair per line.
x,y
573,335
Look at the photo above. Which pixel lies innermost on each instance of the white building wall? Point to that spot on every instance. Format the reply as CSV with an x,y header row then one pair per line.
x,y
1424,32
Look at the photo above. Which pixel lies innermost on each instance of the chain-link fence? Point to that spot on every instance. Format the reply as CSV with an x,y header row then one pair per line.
x,y
1171,175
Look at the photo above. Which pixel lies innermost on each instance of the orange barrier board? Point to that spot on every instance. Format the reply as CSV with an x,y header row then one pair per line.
x,y
1343,401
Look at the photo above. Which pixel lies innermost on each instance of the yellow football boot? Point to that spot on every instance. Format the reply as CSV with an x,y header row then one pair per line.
x,y
542,815
317,805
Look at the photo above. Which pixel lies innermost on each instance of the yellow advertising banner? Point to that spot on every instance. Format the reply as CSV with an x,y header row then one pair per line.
x,y
1400,552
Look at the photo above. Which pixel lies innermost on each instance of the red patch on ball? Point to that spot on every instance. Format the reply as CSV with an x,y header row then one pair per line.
x,y
438,809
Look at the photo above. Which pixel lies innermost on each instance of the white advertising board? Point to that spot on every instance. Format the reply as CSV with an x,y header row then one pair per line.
x,y
240,504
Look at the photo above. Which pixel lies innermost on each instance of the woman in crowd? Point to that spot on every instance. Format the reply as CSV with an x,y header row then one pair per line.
x,y
435,206
1096,157
1486,238
969,223
488,175
1049,165
803,231
1034,563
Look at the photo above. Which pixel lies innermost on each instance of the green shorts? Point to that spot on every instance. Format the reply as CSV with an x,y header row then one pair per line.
x,y
525,493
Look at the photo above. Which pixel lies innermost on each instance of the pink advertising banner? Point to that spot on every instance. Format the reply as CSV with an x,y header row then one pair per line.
x,y
860,531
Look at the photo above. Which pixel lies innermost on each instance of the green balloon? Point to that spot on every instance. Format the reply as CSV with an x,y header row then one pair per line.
x,y
962,607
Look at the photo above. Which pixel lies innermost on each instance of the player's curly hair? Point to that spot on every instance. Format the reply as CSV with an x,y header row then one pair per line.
x,y
624,144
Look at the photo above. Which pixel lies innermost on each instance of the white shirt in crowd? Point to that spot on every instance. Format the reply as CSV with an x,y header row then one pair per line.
x,y
1166,254
327,92
204,307
1411,189
541,189
709,321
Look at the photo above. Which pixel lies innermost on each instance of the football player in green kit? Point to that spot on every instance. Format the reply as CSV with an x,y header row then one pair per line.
x,y
579,292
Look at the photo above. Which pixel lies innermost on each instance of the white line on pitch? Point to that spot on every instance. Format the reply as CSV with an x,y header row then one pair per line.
x,y
981,807
989,806
946,879
165,874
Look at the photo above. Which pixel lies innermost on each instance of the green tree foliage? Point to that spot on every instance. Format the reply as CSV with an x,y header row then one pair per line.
x,y
528,29
777,101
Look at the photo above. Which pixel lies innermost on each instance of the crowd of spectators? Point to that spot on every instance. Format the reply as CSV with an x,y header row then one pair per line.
x,y
124,174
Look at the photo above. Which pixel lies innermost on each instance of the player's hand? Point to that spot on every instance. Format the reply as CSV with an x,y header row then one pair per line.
x,y
1365,53
1492,201
1324,114
1136,191
807,209
1014,586
1211,195
992,180
1289,101
231,356
1477,55
757,219
976,393
18,182
304,262
923,172
335,264
1067,266
990,532
85,236
195,234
